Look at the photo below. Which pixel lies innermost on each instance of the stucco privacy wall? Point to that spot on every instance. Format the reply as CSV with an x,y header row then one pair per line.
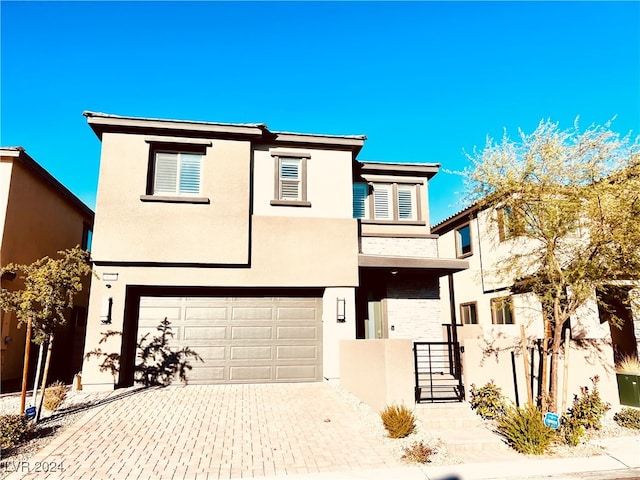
x,y
128,229
379,372
492,361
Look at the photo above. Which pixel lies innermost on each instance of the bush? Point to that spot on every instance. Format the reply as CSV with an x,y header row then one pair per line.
x,y
488,401
571,431
418,453
13,430
398,420
54,395
628,418
525,430
588,408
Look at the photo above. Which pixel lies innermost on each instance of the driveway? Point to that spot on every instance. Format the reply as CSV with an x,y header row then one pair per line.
x,y
214,432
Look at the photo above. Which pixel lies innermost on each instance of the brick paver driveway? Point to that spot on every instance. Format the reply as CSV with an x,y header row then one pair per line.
x,y
211,432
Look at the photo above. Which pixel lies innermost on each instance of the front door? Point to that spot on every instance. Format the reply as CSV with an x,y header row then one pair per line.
x,y
375,327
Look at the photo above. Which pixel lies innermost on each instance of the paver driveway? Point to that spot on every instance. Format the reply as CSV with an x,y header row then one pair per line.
x,y
225,431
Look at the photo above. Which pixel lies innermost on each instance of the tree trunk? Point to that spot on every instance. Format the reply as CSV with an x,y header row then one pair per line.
x,y
25,366
34,396
45,374
555,359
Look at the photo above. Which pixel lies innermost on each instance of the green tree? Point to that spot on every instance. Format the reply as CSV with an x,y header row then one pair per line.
x,y
50,286
570,202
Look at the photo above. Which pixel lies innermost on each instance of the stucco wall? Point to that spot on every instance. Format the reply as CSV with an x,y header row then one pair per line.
x,y
379,372
38,222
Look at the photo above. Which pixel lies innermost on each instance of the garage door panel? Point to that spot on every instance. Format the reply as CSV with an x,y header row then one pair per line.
x,y
297,314
251,333
242,339
254,373
251,353
203,334
206,314
297,333
296,373
287,352
252,313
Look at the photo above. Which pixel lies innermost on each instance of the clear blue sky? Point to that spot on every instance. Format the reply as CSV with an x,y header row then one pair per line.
x,y
423,80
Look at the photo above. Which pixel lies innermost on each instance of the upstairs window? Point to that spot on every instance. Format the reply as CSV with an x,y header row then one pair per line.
x,y
360,193
469,313
463,241
502,311
177,173
393,202
290,179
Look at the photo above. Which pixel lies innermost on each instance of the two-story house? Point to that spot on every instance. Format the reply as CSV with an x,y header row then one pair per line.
x,y
488,314
38,217
263,249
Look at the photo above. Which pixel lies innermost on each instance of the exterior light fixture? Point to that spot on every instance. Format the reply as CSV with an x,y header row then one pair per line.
x,y
341,315
105,313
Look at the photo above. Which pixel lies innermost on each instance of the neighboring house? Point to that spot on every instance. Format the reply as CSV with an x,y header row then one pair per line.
x,y
39,217
488,316
262,249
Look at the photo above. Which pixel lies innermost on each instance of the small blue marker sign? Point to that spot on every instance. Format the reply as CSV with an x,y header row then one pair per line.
x,y
31,412
552,420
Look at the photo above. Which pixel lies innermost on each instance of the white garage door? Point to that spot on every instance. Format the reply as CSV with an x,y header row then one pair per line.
x,y
240,339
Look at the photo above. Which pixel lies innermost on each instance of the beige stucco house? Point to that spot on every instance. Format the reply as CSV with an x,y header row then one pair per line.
x,y
263,249
488,316
39,217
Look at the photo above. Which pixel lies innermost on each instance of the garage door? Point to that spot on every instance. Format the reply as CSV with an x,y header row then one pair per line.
x,y
240,339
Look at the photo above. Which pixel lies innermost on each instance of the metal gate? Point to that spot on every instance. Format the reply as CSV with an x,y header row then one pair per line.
x,y
438,372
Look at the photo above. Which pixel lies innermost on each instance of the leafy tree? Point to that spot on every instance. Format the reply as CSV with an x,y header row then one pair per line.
x,y
50,286
570,201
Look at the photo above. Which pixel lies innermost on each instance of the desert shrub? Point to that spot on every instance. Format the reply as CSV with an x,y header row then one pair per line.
x,y
488,401
525,431
398,420
588,408
628,365
54,395
418,453
13,430
628,418
571,431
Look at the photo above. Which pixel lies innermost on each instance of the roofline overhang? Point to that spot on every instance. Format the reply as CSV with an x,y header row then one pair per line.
x,y
393,168
20,155
441,266
103,122
456,220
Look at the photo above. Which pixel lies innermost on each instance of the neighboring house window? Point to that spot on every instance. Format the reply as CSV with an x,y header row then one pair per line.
x,y
87,237
360,193
469,313
291,180
177,173
394,202
463,241
502,311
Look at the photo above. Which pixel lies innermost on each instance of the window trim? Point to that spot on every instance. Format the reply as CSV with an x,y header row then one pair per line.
x,y
395,219
302,157
469,304
459,252
174,145
507,300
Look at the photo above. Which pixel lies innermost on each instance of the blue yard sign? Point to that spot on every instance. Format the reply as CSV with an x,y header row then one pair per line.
x,y
552,420
31,413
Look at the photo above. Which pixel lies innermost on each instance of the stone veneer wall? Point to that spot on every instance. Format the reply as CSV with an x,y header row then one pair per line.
x,y
401,247
413,309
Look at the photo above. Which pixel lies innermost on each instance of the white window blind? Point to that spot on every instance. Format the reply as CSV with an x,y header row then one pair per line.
x,y
406,202
177,173
360,192
290,179
381,203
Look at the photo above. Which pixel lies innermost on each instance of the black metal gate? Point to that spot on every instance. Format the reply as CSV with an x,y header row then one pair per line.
x,y
438,372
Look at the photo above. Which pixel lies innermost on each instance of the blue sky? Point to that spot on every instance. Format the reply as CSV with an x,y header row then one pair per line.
x,y
423,80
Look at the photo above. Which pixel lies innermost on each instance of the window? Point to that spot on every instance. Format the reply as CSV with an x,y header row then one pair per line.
x,y
393,202
291,180
360,193
87,237
502,311
177,173
463,241
469,313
